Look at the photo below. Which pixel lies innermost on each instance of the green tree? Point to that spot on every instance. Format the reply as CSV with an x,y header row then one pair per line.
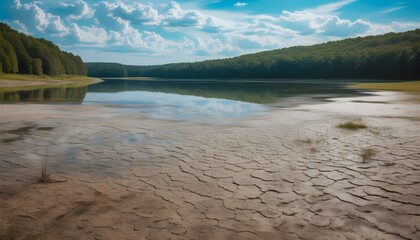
x,y
8,56
26,55
37,66
23,58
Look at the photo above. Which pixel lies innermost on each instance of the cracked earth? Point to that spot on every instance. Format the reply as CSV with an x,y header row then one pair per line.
x,y
290,174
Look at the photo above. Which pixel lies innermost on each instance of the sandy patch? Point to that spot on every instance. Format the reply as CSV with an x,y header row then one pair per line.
x,y
19,83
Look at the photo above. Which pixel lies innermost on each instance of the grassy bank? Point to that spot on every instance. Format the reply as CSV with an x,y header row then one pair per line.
x,y
18,82
25,77
413,86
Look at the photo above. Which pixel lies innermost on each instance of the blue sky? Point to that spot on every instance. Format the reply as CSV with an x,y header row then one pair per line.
x,y
154,32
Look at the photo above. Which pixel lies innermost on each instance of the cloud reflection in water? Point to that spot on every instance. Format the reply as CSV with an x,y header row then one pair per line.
x,y
175,106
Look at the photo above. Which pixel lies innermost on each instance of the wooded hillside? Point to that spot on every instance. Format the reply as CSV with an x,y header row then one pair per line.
x,y
389,56
24,54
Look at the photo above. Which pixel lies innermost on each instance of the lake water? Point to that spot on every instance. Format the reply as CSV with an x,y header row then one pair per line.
x,y
181,99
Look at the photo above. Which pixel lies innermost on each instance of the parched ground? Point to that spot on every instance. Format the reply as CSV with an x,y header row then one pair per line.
x,y
291,174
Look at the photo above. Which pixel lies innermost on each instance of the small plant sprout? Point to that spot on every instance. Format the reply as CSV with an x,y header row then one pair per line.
x,y
45,178
307,141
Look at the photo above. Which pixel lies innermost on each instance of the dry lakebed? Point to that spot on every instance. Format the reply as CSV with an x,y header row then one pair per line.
x,y
289,174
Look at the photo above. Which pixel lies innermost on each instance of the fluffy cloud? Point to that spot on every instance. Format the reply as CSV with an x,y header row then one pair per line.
x,y
132,39
104,17
207,46
77,9
175,16
135,13
392,27
307,22
89,35
119,19
35,19
215,25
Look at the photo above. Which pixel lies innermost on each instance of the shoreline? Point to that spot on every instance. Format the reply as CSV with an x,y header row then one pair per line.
x,y
410,86
17,82
14,82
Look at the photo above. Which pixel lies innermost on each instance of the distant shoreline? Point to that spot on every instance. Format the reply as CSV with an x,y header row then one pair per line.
x,y
17,82
412,86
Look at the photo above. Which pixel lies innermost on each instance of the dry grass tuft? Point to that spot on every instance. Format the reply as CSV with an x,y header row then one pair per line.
x,y
313,150
351,125
367,153
307,141
389,163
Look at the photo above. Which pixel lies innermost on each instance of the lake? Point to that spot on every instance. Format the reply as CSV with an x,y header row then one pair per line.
x,y
182,99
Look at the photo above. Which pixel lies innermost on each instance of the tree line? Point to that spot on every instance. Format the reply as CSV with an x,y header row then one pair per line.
x,y
389,56
24,54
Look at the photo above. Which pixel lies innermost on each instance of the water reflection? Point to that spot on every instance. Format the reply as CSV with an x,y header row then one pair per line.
x,y
174,106
181,99
253,91
52,95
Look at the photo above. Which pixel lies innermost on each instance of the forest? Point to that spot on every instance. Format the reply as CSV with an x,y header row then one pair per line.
x,y
389,56
24,54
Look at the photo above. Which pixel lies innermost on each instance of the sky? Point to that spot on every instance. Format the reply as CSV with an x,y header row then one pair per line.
x,y
142,32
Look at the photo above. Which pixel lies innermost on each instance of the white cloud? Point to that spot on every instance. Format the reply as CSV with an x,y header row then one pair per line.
x,y
175,16
392,27
207,46
34,19
22,27
307,22
389,10
217,25
240,4
331,7
136,12
105,18
129,37
89,35
77,9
